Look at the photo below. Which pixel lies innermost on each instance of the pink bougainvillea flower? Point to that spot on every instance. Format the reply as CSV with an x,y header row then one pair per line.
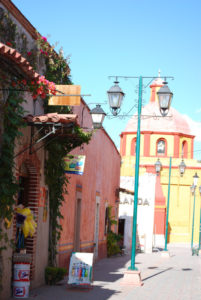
x,y
53,92
41,79
52,88
24,82
29,53
42,87
44,38
45,52
39,90
51,84
41,50
43,95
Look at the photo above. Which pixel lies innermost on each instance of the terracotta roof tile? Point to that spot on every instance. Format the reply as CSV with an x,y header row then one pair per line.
x,y
12,55
53,118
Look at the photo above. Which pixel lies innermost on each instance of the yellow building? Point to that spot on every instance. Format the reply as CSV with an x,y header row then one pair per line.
x,y
165,137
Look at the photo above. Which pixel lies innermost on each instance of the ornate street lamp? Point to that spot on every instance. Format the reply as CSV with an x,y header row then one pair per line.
x,y
158,166
164,97
182,167
97,115
115,97
195,179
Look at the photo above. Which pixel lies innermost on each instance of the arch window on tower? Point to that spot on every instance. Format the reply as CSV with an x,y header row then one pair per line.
x,y
133,147
161,147
184,149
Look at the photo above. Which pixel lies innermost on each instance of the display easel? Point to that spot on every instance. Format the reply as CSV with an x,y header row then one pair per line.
x,y
80,271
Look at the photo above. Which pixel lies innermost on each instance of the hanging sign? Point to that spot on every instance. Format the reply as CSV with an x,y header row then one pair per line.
x,y
74,164
80,269
72,90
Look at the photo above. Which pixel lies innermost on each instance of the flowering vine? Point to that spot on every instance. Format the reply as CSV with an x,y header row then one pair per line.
x,y
57,67
40,87
56,71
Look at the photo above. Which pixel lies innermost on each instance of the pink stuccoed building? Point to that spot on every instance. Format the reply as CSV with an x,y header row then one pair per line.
x,y
89,195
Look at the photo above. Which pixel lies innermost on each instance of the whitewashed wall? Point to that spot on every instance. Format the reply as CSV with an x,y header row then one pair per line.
x,y
145,217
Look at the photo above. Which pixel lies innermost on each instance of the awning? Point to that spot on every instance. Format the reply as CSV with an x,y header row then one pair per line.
x,y
52,118
49,127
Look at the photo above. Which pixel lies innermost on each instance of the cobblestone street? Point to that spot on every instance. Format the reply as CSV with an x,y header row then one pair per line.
x,y
177,278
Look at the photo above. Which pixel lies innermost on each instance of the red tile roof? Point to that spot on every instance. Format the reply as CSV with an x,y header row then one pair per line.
x,y
12,56
52,118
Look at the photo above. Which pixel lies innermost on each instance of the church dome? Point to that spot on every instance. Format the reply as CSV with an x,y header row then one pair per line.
x,y
151,120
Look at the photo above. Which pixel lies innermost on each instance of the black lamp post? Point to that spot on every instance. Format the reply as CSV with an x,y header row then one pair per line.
x,y
182,167
97,115
165,97
195,179
158,166
115,96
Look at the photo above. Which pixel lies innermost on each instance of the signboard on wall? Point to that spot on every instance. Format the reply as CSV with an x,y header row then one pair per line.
x,y
74,164
71,95
80,269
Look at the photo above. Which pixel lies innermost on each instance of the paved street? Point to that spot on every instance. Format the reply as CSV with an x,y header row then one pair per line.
x,y
177,278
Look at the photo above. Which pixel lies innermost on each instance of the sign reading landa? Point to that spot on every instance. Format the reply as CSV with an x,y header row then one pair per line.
x,y
130,201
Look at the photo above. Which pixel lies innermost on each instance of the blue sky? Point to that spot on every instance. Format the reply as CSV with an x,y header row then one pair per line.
x,y
131,38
